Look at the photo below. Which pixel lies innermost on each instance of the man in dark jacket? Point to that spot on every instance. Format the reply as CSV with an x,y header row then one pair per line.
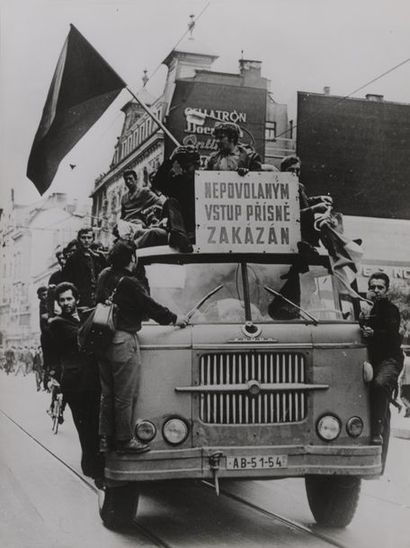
x,y
83,267
231,155
57,276
78,374
175,178
381,331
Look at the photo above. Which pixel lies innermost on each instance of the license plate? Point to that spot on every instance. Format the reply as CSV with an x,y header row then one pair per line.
x,y
257,462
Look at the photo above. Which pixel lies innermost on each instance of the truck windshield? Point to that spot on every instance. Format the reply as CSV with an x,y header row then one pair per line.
x,y
181,286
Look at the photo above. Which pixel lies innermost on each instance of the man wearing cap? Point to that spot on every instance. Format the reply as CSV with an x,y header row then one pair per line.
x,y
231,155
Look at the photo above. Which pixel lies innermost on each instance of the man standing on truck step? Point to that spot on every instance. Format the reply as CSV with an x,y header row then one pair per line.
x,y
380,328
120,362
232,155
78,378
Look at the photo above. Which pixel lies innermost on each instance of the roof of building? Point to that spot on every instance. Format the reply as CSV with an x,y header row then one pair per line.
x,y
191,46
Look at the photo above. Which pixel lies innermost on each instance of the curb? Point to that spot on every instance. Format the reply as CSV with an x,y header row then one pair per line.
x,y
401,433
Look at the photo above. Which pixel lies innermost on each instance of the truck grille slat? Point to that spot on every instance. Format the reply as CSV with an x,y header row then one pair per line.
x,y
244,408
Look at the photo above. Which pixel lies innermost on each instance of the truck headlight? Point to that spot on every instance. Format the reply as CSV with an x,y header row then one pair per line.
x,y
367,372
328,427
145,430
175,431
354,427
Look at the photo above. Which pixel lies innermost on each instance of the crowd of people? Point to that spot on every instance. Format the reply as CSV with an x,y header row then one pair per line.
x,y
100,388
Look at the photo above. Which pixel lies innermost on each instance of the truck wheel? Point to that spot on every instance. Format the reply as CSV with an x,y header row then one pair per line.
x,y
333,499
118,505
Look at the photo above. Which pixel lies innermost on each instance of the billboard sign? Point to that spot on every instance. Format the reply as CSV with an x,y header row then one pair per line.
x,y
215,103
257,213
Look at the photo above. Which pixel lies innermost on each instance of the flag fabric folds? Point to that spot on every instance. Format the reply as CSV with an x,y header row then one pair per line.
x,y
344,254
82,88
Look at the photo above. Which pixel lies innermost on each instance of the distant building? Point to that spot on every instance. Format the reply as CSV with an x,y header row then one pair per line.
x,y
29,236
242,97
358,150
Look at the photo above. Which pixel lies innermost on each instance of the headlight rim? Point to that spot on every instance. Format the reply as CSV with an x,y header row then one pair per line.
x,y
155,430
348,422
169,419
333,416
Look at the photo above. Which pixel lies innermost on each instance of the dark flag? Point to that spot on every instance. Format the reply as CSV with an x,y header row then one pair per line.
x,y
82,88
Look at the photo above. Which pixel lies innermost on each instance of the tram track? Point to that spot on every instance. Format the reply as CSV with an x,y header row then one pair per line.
x,y
286,521
155,539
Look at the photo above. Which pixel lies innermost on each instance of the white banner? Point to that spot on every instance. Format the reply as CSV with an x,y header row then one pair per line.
x,y
257,213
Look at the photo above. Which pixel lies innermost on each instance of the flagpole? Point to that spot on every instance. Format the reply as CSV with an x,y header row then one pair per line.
x,y
152,115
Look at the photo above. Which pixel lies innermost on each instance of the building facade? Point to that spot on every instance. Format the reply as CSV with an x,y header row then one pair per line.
x,y
191,85
29,236
357,150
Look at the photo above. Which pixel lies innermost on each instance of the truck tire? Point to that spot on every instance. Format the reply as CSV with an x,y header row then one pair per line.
x,y
118,505
333,499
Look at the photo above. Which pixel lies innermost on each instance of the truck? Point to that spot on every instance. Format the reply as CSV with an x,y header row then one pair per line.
x,y
269,379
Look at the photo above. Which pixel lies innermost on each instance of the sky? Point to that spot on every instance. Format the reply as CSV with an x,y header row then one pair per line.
x,y
303,45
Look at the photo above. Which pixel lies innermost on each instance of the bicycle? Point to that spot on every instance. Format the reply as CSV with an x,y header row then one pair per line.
x,y
57,412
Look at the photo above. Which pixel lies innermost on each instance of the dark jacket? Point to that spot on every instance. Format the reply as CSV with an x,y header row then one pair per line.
x,y
82,270
78,371
384,319
134,303
56,277
181,188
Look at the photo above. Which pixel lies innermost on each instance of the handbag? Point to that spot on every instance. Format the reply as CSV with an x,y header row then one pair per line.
x,y
98,330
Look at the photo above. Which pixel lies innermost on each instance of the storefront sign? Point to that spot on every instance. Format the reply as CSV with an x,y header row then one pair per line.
x,y
257,213
215,103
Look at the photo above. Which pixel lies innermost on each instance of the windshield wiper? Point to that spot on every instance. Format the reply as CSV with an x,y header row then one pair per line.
x,y
270,290
189,315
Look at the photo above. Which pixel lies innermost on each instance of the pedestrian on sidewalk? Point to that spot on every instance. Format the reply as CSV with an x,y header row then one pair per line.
x,y
38,367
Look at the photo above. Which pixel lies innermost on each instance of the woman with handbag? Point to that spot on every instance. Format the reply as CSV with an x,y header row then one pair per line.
x,y
120,362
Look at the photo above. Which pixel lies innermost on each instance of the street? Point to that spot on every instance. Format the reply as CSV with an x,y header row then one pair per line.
x,y
47,502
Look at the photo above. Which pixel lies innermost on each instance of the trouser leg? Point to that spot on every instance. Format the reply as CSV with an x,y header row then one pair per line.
x,y
381,389
106,420
176,226
152,237
125,369
84,408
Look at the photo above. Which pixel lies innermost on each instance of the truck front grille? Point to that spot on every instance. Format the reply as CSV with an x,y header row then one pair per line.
x,y
243,408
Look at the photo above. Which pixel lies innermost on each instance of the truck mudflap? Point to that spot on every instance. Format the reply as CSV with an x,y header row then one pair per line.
x,y
266,462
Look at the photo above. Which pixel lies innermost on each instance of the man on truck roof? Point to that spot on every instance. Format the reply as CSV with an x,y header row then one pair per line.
x,y
232,155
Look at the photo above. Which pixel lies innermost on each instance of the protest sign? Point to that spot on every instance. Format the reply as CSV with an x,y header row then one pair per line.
x,y
257,213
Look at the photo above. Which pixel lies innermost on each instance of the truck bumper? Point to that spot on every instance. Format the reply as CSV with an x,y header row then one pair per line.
x,y
197,463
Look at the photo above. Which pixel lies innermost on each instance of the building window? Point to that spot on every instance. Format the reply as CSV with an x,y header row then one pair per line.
x,y
270,131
